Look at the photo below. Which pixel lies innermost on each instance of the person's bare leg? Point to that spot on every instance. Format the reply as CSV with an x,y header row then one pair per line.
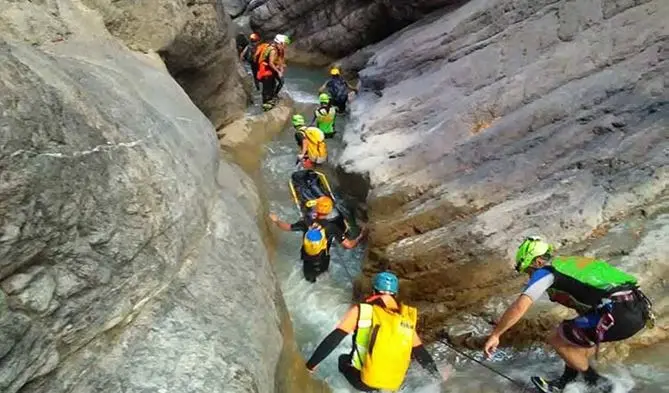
x,y
576,357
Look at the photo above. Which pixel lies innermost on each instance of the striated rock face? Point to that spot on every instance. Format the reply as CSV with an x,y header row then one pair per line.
x,y
130,255
197,46
336,28
508,118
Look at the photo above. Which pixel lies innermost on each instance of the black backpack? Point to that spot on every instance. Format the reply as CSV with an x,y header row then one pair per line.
x,y
338,89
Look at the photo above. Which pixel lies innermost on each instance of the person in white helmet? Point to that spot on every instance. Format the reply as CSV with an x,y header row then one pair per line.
x,y
271,68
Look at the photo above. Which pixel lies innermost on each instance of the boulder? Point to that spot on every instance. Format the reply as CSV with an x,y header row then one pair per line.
x,y
503,119
130,254
323,31
197,46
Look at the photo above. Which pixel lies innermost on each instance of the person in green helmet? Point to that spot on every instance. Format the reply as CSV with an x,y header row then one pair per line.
x,y
300,127
609,303
324,116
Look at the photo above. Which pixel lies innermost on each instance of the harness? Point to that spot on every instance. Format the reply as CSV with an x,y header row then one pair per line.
x,y
606,319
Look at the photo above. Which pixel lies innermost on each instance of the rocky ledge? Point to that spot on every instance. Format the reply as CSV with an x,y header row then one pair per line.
x,y
508,118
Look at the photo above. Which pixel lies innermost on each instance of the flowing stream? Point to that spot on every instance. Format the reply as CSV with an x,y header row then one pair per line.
x,y
316,308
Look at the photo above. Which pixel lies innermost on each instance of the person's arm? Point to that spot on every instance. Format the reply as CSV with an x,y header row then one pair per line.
x,y
346,326
303,150
539,282
323,87
352,243
425,360
313,121
284,226
241,55
512,315
326,347
272,62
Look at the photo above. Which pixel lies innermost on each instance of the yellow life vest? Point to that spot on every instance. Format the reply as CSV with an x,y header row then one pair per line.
x,y
316,149
383,344
325,120
314,247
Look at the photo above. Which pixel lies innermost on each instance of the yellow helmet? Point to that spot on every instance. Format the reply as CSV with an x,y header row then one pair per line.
x,y
334,71
324,205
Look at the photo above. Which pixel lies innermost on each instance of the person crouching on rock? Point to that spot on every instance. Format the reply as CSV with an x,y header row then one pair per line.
x,y
248,55
384,341
318,235
609,303
337,88
270,69
324,116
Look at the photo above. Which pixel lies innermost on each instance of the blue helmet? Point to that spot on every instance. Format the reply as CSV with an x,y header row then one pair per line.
x,y
314,234
386,282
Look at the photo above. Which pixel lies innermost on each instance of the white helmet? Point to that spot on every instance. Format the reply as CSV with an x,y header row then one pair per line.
x,y
281,39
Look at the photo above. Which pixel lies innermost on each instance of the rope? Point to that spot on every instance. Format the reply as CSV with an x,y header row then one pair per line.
x,y
513,381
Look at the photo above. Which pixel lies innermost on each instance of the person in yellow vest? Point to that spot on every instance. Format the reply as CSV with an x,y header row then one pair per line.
x,y
380,363
324,116
313,150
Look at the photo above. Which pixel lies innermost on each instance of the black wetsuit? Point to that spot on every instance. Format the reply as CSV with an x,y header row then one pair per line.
x,y
338,89
249,57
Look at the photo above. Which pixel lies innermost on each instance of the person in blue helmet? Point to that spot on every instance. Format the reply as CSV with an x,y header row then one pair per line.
x,y
394,339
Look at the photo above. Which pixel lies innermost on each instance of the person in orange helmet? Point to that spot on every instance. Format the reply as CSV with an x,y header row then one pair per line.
x,y
318,235
248,55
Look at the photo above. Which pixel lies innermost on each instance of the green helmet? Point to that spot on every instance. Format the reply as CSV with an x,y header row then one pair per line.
x,y
298,120
529,249
324,98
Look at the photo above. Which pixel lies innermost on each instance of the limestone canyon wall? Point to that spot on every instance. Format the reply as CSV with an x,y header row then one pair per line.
x,y
324,30
195,39
130,255
508,118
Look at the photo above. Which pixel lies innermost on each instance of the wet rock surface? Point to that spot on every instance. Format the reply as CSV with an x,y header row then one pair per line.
x,y
197,45
508,118
326,30
130,255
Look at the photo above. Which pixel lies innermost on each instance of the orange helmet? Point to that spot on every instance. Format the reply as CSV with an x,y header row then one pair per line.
x,y
254,37
324,205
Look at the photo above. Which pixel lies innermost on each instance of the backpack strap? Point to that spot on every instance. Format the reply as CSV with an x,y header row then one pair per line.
x,y
364,321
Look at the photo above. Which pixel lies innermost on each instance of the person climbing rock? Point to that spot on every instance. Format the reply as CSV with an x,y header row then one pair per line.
x,y
271,65
318,235
313,150
337,88
610,307
384,340
324,116
248,55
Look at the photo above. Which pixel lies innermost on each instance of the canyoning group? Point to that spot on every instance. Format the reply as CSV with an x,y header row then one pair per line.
x,y
608,301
